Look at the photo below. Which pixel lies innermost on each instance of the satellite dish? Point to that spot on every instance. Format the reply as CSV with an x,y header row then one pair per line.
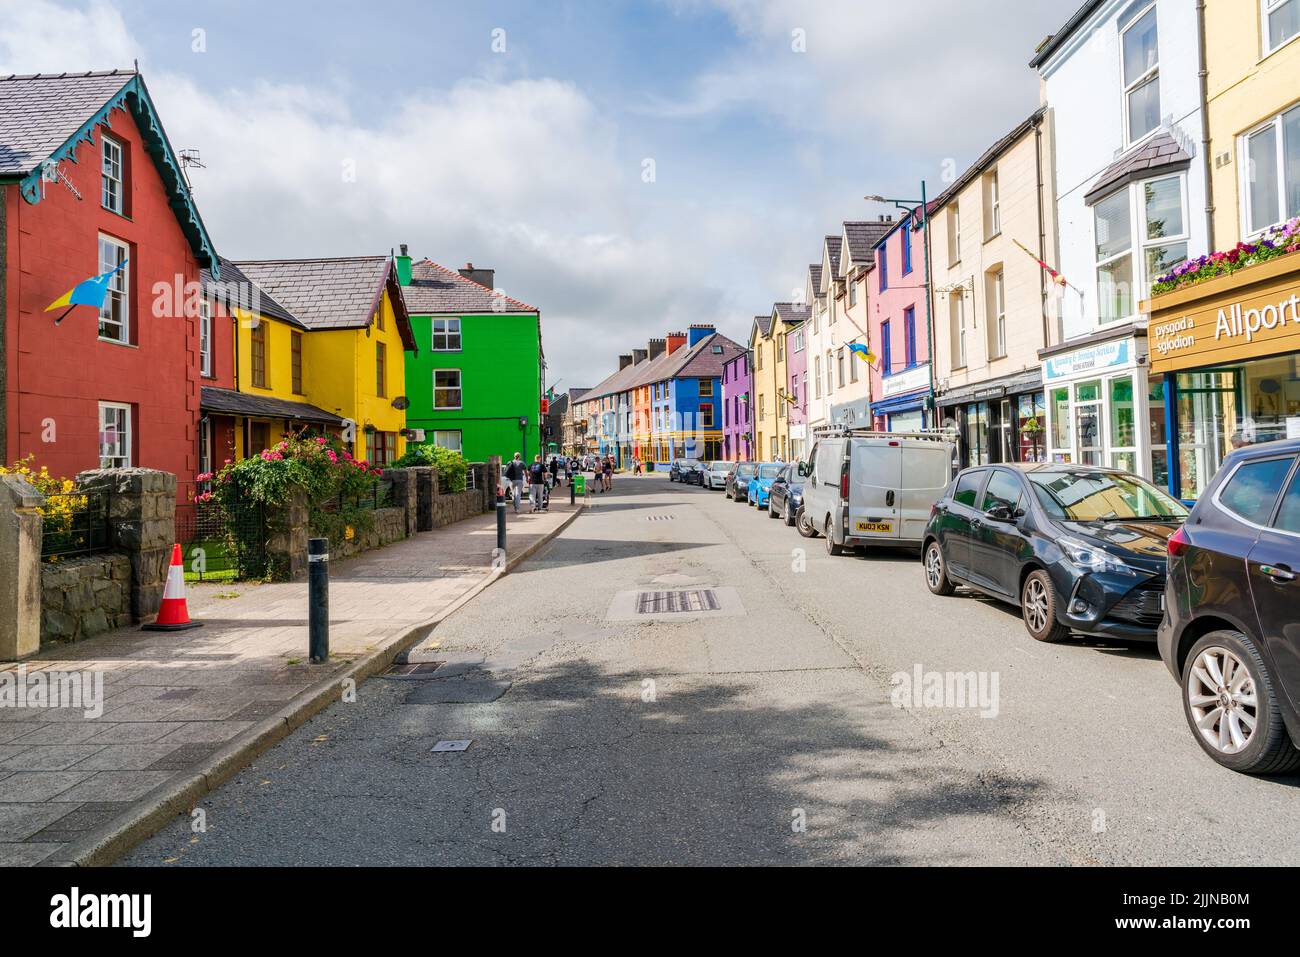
x,y
401,402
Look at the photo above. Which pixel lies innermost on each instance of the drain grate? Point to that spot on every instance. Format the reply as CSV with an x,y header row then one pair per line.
x,y
663,602
659,518
412,670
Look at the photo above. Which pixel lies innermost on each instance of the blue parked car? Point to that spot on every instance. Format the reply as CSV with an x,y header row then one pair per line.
x,y
785,498
760,486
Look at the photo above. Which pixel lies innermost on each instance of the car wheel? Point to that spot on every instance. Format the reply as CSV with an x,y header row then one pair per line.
x,y
787,516
1230,705
936,571
1038,604
832,548
804,524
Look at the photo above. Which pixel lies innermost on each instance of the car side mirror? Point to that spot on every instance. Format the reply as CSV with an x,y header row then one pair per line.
x,y
1000,513
803,470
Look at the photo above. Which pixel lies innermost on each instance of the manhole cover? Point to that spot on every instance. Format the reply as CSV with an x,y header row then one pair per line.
x,y
416,670
451,746
666,602
659,518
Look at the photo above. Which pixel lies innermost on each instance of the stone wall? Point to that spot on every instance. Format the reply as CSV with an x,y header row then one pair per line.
x,y
83,596
456,507
389,526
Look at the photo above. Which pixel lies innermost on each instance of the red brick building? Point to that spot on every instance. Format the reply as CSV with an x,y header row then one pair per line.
x,y
87,179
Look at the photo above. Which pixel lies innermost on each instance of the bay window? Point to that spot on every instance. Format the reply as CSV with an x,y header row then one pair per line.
x,y
1155,211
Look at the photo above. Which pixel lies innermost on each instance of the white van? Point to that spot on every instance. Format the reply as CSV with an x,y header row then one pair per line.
x,y
875,488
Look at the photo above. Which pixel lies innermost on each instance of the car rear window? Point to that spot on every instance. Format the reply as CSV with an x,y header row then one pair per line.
x,y
968,487
1253,488
1288,516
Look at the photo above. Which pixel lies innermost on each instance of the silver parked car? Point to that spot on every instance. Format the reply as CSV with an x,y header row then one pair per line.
x,y
717,473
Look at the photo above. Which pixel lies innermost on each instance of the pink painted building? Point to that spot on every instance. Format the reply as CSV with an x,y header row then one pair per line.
x,y
900,377
796,388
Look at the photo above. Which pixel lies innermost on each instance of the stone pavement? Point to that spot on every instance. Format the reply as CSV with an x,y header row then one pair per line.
x,y
173,700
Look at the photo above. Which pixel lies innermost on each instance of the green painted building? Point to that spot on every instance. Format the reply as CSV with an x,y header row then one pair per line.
x,y
478,372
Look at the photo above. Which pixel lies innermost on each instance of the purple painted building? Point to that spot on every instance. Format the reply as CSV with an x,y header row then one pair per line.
x,y
796,388
737,432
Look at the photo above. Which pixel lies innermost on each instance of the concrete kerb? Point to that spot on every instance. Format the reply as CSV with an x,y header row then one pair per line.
x,y
149,814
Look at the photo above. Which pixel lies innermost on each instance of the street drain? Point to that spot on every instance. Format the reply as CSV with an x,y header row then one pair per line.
x,y
441,746
659,518
667,602
418,670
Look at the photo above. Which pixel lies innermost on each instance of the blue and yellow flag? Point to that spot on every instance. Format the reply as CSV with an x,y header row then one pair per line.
x,y
88,292
863,351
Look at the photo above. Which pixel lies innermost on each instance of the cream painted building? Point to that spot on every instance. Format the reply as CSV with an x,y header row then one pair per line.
x,y
992,303
767,344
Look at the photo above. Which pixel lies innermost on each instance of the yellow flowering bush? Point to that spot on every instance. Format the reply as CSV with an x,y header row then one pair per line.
x,y
61,504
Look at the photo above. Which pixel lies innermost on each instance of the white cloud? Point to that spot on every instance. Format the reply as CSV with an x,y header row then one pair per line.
x,y
40,37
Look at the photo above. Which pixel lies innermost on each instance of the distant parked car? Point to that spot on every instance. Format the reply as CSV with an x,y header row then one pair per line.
x,y
737,487
680,469
761,483
1078,548
786,495
1231,629
715,474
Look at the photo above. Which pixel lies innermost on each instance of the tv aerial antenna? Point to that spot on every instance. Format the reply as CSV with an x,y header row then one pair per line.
x,y
52,172
190,159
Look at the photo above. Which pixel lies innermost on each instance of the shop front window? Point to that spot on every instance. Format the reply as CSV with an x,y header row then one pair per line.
x,y
1061,444
1087,423
1159,433
977,449
1123,424
1031,416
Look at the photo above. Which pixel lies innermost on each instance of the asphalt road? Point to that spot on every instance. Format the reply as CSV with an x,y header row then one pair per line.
x,y
762,732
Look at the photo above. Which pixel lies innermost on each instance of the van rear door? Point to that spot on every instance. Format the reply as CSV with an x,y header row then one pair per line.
x,y
875,475
927,470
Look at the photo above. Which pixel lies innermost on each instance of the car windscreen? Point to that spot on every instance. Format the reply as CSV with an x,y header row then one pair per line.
x,y
1103,496
769,471
719,466
744,471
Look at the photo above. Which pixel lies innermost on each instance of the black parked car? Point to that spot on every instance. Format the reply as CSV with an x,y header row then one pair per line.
x,y
685,470
786,495
738,482
1231,632
1078,548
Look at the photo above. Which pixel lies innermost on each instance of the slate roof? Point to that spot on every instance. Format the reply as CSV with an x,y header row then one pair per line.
x,y
791,314
987,157
236,289
697,361
764,323
833,245
862,237
1161,153
39,113
436,290
332,293
815,277
229,402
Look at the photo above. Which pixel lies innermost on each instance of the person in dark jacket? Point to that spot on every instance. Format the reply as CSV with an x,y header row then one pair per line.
x,y
537,479
515,473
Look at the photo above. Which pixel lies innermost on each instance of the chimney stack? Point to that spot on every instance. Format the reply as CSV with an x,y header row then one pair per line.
x,y
656,348
484,277
700,330
639,356
675,341
624,361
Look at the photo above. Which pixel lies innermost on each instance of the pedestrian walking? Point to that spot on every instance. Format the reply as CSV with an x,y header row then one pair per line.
x,y
608,473
537,481
515,472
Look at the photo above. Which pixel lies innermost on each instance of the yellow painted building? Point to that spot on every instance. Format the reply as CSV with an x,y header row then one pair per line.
x,y
767,379
318,344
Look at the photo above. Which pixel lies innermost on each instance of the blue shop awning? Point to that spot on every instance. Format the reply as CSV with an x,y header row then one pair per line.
x,y
900,403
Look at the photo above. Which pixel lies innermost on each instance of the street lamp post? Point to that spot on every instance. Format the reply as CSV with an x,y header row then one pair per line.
x,y
908,206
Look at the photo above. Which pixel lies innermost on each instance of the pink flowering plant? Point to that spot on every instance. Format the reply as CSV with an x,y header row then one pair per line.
x,y
1280,240
318,465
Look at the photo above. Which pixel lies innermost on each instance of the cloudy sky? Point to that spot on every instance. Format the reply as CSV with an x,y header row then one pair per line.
x,y
627,167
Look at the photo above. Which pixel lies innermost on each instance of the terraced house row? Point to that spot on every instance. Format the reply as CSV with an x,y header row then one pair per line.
x,y
194,359
1112,282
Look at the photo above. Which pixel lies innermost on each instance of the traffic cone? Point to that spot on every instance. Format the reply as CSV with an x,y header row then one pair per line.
x,y
173,615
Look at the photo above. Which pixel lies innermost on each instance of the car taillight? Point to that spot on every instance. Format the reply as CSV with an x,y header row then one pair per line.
x,y
844,484
1179,542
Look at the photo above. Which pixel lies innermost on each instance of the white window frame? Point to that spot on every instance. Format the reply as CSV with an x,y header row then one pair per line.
x,y
1266,9
119,286
122,460
1137,251
957,317
1151,74
450,332
853,293
817,377
998,323
205,340
839,367
954,233
112,182
439,439
798,341
1244,162
1146,243
459,387
995,205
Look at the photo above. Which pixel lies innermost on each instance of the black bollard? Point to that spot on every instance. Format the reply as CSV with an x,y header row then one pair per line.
x,y
501,521
318,599
573,493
